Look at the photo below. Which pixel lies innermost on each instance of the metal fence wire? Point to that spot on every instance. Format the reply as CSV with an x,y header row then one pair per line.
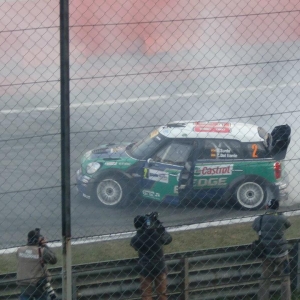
x,y
185,108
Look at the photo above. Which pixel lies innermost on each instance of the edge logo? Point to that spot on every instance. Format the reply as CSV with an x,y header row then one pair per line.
x,y
212,182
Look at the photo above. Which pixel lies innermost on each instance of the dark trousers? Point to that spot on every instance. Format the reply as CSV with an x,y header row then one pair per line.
x,y
275,268
160,284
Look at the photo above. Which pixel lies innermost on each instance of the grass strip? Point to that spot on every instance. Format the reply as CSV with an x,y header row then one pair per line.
x,y
198,239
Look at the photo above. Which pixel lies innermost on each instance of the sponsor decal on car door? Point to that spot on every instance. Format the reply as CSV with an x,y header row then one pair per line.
x,y
160,182
157,175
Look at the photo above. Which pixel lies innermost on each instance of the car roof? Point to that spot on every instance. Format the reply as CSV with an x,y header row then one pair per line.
x,y
215,130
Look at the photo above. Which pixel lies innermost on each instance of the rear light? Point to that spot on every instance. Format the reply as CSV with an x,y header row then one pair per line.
x,y
277,170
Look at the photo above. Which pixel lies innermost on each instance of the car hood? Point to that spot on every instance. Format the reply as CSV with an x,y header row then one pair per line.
x,y
108,152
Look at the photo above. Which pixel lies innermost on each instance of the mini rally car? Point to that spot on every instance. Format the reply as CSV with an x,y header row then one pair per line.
x,y
236,163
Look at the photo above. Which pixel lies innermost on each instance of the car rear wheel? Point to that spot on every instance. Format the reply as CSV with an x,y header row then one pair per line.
x,y
111,192
250,195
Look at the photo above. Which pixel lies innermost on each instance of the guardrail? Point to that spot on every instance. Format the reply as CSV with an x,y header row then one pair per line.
x,y
223,273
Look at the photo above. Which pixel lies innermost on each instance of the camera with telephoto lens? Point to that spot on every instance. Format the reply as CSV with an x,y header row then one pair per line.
x,y
40,238
152,222
49,289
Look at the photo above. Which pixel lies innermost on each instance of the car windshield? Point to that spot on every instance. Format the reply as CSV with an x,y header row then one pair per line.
x,y
144,148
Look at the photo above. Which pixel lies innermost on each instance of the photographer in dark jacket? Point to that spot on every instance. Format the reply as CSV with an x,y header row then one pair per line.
x,y
148,241
32,275
271,231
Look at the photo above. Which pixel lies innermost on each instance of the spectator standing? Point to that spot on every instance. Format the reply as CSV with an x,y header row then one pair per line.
x,y
32,273
271,227
148,241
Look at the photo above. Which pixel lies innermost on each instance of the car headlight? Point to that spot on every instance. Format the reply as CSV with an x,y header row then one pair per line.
x,y
92,167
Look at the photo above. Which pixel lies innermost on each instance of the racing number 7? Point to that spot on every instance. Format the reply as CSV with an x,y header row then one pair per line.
x,y
254,152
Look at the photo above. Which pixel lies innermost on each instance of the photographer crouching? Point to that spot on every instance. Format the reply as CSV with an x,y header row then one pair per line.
x,y
33,277
148,241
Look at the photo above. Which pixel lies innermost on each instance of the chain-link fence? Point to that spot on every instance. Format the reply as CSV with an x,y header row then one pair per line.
x,y
186,108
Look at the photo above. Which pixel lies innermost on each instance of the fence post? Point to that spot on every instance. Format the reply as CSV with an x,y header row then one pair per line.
x,y
185,279
74,287
295,266
65,151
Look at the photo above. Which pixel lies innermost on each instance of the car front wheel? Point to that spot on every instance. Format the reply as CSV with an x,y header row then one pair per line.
x,y
111,192
250,195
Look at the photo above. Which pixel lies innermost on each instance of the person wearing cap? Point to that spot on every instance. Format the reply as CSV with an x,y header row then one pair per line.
x,y
271,227
151,262
32,272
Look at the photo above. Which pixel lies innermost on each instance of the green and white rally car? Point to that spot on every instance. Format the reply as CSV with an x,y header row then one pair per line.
x,y
235,163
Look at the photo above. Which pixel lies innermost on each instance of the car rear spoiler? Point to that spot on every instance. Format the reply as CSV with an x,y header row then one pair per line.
x,y
281,137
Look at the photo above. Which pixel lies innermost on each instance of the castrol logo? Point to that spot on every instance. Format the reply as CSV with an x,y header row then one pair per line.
x,y
214,170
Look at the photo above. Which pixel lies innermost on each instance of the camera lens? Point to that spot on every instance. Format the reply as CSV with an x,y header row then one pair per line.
x,y
50,291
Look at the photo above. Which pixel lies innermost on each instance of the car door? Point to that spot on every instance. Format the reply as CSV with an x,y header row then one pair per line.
x,y
162,172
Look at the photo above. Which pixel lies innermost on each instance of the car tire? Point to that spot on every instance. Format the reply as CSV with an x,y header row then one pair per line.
x,y
250,194
111,192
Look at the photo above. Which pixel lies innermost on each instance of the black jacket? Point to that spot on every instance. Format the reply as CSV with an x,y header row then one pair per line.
x,y
149,244
273,225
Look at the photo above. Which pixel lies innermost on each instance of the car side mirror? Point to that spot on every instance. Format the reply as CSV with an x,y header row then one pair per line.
x,y
150,161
